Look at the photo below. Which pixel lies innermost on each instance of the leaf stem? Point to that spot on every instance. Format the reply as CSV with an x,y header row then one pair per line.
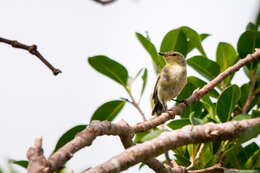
x,y
136,105
250,95
196,157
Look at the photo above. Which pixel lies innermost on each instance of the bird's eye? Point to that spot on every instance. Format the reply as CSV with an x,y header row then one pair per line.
x,y
174,54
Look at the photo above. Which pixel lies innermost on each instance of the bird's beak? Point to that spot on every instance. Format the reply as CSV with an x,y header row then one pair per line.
x,y
162,53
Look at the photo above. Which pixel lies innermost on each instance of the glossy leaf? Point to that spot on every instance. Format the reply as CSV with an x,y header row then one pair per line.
x,y
206,67
194,40
247,43
150,48
22,163
198,83
194,120
251,27
241,117
174,40
151,135
252,133
110,68
140,135
206,157
182,156
203,36
209,106
176,124
251,148
140,166
254,161
68,136
226,56
255,114
108,111
244,94
144,78
227,101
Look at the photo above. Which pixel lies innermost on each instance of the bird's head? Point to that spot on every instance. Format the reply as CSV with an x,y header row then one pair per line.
x,y
173,57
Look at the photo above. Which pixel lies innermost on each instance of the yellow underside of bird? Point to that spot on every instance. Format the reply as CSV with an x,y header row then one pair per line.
x,y
172,80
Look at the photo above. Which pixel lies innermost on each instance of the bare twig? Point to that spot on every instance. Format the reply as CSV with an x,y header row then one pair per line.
x,y
171,140
196,157
104,2
251,91
33,50
136,105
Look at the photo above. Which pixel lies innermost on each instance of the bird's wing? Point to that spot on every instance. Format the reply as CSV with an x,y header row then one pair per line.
x,y
155,88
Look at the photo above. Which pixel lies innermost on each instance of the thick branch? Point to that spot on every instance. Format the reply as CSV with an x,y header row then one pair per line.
x,y
196,95
33,50
171,140
85,138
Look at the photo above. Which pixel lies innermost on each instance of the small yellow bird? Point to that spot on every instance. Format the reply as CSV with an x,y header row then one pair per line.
x,y
170,81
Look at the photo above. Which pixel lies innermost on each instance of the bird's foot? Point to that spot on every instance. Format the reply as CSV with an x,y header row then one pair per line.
x,y
181,101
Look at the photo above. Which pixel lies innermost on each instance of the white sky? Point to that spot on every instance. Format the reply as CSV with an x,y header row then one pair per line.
x,y
35,103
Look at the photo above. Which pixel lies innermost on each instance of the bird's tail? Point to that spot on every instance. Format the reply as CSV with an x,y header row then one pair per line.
x,y
157,109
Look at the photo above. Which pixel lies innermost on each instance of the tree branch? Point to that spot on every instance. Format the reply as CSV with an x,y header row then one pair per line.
x,y
251,91
33,50
168,140
171,140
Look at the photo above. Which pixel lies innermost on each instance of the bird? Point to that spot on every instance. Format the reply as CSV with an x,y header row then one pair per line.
x,y
170,82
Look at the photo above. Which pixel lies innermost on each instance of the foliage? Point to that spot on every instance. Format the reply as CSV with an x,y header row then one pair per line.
x,y
222,104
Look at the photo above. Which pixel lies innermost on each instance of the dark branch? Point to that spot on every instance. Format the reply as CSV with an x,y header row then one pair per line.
x,y
33,50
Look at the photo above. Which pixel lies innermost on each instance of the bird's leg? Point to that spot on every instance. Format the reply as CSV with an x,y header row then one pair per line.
x,y
181,101
164,107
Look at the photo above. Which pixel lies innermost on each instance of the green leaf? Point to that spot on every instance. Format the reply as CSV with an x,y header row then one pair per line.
x,y
247,43
109,68
150,135
68,136
185,93
174,40
194,40
182,156
176,124
252,133
198,83
241,117
244,94
22,163
144,78
209,106
254,161
206,156
206,67
227,101
194,120
150,48
203,36
251,26
226,56
251,148
108,111
140,166
255,114
140,135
